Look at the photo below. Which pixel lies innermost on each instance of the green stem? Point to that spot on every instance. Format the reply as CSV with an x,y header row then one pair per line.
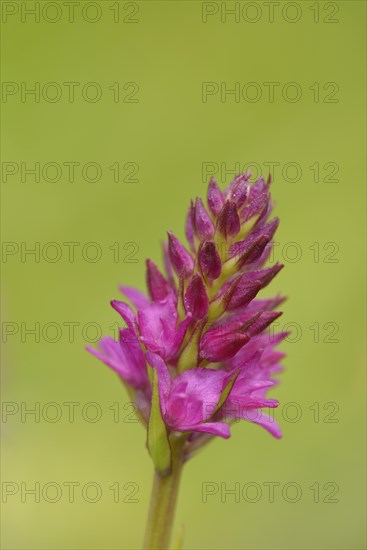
x,y
163,502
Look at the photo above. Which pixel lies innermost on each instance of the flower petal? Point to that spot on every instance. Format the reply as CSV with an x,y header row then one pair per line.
x,y
263,420
135,296
221,429
194,395
124,357
126,313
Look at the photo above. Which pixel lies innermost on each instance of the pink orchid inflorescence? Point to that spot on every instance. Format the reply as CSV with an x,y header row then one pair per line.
x,y
197,353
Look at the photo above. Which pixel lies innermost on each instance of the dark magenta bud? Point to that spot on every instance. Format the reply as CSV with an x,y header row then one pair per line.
x,y
228,221
158,286
209,260
215,197
202,224
196,299
181,260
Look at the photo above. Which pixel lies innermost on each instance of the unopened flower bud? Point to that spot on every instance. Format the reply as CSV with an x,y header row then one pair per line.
x,y
181,260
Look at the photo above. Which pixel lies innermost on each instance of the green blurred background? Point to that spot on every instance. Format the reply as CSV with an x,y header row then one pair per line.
x,y
170,134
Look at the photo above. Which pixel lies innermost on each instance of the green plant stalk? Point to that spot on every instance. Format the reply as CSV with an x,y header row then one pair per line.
x,y
163,501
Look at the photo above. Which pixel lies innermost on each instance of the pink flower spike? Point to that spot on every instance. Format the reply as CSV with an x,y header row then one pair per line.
x,y
198,349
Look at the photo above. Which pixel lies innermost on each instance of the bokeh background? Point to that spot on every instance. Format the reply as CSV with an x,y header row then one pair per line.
x,y
163,139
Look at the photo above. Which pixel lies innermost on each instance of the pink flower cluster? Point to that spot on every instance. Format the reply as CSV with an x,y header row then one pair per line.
x,y
201,327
